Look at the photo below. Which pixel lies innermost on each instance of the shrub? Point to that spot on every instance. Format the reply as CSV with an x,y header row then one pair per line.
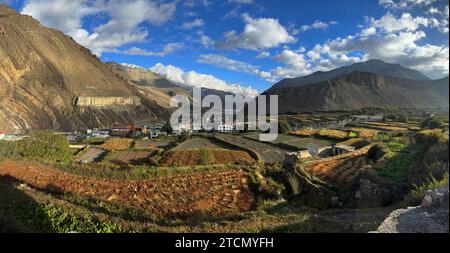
x,y
284,127
416,195
40,145
432,123
205,157
167,128
45,145
402,118
376,152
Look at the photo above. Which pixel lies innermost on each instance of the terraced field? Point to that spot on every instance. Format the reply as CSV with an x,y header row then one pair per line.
x,y
200,143
339,170
194,157
117,144
132,157
294,142
267,152
91,155
209,193
150,144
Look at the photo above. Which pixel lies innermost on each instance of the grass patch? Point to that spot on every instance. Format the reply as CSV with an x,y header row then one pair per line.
x,y
51,219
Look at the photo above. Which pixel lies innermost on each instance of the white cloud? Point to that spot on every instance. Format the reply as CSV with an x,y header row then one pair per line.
x,y
133,66
295,65
403,4
233,65
406,22
263,55
205,40
168,49
122,27
194,23
258,34
241,1
368,31
317,25
194,79
64,15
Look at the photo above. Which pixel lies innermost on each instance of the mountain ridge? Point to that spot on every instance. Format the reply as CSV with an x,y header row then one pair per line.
x,y
373,66
360,89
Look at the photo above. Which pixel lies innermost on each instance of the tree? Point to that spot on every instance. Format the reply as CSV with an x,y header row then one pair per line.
x,y
167,128
284,127
432,123
402,118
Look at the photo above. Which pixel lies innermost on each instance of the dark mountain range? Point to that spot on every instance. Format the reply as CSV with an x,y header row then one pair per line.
x,y
373,66
360,89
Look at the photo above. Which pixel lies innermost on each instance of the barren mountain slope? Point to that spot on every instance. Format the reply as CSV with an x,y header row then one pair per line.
x,y
362,89
47,80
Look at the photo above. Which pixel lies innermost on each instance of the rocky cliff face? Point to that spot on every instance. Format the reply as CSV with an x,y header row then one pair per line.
x,y
108,101
47,80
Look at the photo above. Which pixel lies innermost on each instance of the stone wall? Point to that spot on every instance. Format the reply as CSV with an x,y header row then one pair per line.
x,y
107,101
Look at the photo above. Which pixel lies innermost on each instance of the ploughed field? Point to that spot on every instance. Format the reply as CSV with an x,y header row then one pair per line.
x,y
200,143
267,153
294,142
205,193
117,144
194,157
132,157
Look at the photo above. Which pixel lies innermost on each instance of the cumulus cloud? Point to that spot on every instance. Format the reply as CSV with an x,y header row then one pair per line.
x,y
233,65
406,22
64,15
194,79
295,65
241,1
204,39
194,23
403,4
317,25
262,55
168,49
122,28
258,34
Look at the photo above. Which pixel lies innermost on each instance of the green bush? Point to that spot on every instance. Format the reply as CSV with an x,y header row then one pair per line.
x,y
49,218
432,123
416,195
284,127
40,145
205,157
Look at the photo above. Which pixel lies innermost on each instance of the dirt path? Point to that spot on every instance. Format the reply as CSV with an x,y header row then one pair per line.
x,y
211,193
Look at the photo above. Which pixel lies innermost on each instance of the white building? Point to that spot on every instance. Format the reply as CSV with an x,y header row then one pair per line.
x,y
2,135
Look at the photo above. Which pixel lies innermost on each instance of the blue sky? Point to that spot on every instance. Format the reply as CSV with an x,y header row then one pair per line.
x,y
247,45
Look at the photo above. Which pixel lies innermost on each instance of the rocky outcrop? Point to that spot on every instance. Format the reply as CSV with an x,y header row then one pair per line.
x,y
430,217
369,190
108,101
